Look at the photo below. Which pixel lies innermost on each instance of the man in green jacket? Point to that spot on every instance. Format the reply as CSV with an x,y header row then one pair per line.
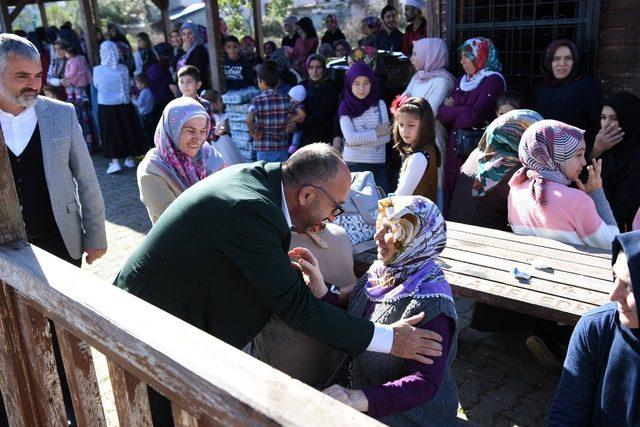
x,y
218,257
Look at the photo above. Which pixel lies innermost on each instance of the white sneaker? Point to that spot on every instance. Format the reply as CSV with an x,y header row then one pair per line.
x,y
114,168
129,162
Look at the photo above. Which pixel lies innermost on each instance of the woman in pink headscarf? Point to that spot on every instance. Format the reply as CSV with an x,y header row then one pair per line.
x,y
433,83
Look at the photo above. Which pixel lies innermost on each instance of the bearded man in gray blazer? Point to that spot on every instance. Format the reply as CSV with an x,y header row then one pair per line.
x,y
58,191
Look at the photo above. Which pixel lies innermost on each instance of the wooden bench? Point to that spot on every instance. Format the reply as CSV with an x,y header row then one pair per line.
x,y
478,262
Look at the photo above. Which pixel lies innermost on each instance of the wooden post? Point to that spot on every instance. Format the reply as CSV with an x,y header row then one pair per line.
x,y
96,14
432,15
257,25
17,9
5,22
166,24
11,222
15,381
43,14
214,48
89,31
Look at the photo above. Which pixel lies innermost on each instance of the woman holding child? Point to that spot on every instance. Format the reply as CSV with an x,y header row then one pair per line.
x,y
181,157
403,282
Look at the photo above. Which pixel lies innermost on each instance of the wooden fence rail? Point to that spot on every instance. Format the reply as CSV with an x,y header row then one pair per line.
x,y
207,381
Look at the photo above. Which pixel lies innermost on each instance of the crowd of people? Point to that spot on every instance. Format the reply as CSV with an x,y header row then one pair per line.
x,y
561,163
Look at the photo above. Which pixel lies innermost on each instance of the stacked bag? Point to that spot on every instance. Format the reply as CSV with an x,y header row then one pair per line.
x,y
237,104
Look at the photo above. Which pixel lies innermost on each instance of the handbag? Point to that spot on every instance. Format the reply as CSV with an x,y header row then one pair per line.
x,y
361,211
467,140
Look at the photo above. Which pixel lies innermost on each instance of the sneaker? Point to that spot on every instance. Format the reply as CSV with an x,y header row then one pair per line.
x,y
129,162
543,355
114,168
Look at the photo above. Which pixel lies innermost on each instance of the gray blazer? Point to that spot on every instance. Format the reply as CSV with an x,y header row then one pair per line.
x,y
75,194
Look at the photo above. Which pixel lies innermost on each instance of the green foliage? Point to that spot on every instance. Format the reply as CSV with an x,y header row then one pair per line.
x,y
232,10
279,8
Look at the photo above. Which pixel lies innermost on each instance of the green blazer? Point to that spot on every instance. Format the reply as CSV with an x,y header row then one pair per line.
x,y
217,258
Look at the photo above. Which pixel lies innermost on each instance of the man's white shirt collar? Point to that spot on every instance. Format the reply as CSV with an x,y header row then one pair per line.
x,y
17,130
285,209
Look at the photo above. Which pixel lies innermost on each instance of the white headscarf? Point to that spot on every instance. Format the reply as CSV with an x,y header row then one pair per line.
x,y
109,54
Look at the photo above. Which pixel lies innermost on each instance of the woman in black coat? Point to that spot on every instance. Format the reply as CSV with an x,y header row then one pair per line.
x,y
567,95
320,104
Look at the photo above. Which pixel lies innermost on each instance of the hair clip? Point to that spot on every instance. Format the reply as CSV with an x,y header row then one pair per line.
x,y
398,102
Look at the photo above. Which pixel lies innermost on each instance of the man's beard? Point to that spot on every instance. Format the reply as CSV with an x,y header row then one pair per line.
x,y
22,100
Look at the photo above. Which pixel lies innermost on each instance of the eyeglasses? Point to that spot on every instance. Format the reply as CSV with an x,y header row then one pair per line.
x,y
338,209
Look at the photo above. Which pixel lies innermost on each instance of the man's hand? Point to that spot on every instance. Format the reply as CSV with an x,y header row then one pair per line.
x,y
258,134
606,139
302,259
354,398
414,343
93,254
594,181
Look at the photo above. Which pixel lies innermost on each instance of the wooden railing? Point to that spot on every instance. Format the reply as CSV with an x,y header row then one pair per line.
x,y
207,381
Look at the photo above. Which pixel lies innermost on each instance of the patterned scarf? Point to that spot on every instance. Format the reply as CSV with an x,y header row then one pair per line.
x,y
484,55
546,146
420,236
184,171
109,54
198,34
499,147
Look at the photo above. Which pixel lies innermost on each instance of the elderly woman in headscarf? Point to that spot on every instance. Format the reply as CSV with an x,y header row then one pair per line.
x,y
618,145
195,51
370,27
333,32
600,381
291,35
248,49
404,281
541,203
120,129
306,44
480,198
287,78
146,55
181,156
567,95
472,103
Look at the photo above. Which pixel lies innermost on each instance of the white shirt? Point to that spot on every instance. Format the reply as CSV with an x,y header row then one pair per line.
x,y
382,334
17,130
411,174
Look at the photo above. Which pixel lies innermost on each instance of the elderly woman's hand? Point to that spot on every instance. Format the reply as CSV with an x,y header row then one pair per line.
x,y
606,139
354,398
448,102
302,259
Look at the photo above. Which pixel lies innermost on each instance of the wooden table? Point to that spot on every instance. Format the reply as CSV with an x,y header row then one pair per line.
x,y
478,262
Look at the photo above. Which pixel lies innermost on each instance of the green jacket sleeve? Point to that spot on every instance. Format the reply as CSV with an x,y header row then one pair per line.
x,y
256,244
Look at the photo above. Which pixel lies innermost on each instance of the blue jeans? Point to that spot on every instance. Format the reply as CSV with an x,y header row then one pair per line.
x,y
379,172
272,156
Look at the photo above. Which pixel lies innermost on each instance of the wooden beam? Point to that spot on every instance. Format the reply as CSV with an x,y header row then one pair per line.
x,y
89,28
43,14
166,23
214,45
96,14
5,21
11,222
178,360
257,26
17,9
